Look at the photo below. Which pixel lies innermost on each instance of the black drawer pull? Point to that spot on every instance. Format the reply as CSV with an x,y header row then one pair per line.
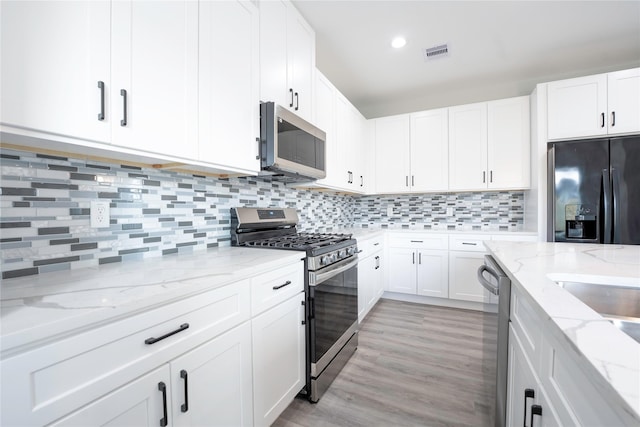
x,y
123,93
468,243
535,410
164,420
417,241
154,340
287,283
185,406
528,394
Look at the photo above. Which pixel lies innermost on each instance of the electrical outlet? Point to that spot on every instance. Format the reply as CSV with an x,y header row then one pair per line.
x,y
449,211
389,210
100,215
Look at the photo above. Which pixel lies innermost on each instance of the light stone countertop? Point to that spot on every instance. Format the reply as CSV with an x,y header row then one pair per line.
x,y
45,306
613,357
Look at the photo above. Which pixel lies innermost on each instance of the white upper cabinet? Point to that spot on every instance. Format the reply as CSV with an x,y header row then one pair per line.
x,y
489,145
345,130
155,76
624,101
468,147
430,150
577,107
54,56
229,113
508,143
598,105
393,154
287,58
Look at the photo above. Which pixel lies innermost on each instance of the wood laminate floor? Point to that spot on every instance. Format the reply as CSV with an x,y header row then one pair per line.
x,y
416,365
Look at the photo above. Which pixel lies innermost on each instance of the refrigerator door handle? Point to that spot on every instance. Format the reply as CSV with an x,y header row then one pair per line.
x,y
606,188
615,215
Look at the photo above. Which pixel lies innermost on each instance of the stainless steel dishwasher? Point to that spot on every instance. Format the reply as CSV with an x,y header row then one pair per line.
x,y
496,336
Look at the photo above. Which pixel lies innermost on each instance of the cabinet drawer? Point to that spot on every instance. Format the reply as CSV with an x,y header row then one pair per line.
x,y
53,380
468,242
419,241
276,286
370,246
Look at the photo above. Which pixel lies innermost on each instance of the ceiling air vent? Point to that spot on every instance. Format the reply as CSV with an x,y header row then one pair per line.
x,y
436,52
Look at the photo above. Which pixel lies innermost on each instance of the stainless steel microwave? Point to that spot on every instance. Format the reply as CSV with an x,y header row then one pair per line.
x,y
290,147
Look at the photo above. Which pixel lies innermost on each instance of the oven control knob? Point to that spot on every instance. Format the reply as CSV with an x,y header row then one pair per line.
x,y
325,260
333,257
342,254
351,250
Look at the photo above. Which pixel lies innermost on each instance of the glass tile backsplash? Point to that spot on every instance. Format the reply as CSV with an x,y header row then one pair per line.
x,y
45,211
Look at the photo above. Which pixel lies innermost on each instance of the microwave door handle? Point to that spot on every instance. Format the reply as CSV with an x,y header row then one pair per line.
x,y
484,282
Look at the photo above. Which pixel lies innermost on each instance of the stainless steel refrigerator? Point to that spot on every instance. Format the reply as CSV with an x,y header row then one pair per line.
x,y
594,191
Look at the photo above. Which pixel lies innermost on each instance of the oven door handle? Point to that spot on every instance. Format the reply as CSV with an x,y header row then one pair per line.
x,y
485,283
315,278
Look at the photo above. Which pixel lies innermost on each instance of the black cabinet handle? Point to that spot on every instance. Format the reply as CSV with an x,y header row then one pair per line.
x,y
291,92
185,406
297,101
101,87
602,125
163,388
484,176
535,410
490,176
413,183
361,181
154,340
414,258
377,258
528,393
420,258
287,283
123,93
470,244
613,118
417,241
406,180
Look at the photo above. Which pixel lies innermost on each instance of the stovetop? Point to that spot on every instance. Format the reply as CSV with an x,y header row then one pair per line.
x,y
301,241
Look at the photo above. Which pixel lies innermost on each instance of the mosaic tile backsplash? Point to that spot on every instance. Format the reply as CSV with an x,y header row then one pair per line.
x,y
45,207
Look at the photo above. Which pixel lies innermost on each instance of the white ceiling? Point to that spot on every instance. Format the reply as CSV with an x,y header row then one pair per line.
x,y
498,49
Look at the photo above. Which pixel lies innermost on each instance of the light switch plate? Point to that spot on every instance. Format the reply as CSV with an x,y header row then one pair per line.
x,y
100,215
389,210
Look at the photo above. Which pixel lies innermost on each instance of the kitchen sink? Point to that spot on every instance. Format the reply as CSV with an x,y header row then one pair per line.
x,y
618,304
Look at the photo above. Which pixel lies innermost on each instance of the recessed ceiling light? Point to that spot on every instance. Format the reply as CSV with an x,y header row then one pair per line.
x,y
398,42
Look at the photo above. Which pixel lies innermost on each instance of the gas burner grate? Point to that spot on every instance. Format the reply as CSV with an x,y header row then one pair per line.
x,y
300,241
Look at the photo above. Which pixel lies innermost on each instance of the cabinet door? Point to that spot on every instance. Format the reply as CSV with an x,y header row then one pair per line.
x,y
433,273
430,151
344,143
273,53
463,281
402,270
53,56
577,107
211,385
155,60
139,403
508,143
228,84
325,119
301,62
278,359
624,101
521,377
468,147
367,276
392,154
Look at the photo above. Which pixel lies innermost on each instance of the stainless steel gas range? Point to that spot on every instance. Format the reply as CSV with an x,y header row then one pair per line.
x,y
331,286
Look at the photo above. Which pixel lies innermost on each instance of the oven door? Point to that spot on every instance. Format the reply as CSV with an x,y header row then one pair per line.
x,y
333,319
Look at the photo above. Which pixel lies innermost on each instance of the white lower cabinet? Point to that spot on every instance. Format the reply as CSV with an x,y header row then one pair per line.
x,y
370,275
210,385
527,401
465,257
139,403
279,358
554,373
418,265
